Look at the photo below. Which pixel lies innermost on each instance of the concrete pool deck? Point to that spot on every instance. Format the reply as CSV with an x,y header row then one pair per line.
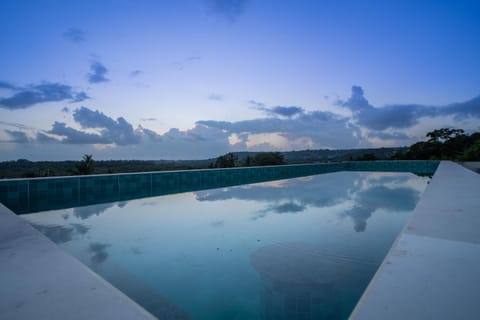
x,y
433,269
38,280
431,272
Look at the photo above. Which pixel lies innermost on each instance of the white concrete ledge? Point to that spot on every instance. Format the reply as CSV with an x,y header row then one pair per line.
x,y
433,268
38,280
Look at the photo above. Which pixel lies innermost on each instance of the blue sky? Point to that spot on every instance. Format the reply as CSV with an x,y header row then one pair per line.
x,y
189,79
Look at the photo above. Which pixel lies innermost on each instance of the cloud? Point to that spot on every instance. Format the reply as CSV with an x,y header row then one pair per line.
x,y
97,73
317,129
80,228
73,136
284,111
135,73
256,104
228,9
58,234
99,252
87,211
18,136
15,125
215,97
43,138
182,63
403,116
470,108
109,131
388,136
289,207
192,58
74,35
282,128
117,131
6,85
367,201
40,93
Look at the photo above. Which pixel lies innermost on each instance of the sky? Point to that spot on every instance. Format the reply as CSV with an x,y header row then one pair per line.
x,y
194,79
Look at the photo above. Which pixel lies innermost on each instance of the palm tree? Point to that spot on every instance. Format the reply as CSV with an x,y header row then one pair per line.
x,y
86,165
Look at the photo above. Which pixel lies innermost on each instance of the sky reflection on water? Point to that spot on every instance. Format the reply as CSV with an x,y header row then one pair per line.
x,y
211,254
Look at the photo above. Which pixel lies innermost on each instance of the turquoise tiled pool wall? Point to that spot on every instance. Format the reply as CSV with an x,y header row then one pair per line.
x,y
40,194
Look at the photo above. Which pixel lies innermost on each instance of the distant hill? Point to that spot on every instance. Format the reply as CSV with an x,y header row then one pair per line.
x,y
327,155
23,168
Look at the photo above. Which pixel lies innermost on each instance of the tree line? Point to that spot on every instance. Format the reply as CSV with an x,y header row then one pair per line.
x,y
441,144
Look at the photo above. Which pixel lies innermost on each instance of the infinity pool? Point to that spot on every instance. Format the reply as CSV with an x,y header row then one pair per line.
x,y
303,248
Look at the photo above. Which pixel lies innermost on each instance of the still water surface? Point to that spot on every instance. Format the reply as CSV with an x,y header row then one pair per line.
x,y
303,248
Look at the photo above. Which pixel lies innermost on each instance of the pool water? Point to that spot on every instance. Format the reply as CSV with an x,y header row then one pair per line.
x,y
303,248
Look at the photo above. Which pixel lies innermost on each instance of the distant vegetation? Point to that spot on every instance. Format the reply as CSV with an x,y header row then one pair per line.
x,y
442,144
86,165
231,160
445,144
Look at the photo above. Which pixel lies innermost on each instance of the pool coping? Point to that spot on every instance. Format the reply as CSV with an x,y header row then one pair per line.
x,y
41,281
432,270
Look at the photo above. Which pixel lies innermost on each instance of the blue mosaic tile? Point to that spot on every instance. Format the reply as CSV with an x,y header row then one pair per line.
x,y
33,195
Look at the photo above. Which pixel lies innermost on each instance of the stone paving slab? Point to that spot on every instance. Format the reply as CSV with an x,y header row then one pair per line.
x,y
38,280
433,268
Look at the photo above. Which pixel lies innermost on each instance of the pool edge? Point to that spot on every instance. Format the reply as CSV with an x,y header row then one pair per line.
x,y
431,271
41,281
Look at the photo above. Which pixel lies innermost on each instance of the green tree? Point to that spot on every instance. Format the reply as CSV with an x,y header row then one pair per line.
x,y
444,134
268,159
445,144
228,160
248,161
472,153
367,157
86,165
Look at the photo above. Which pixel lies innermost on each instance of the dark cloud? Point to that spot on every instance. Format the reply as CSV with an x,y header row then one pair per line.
x,y
228,9
400,116
284,111
289,207
117,131
81,96
74,136
97,73
470,108
6,85
215,97
40,93
74,35
110,131
18,136
43,138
